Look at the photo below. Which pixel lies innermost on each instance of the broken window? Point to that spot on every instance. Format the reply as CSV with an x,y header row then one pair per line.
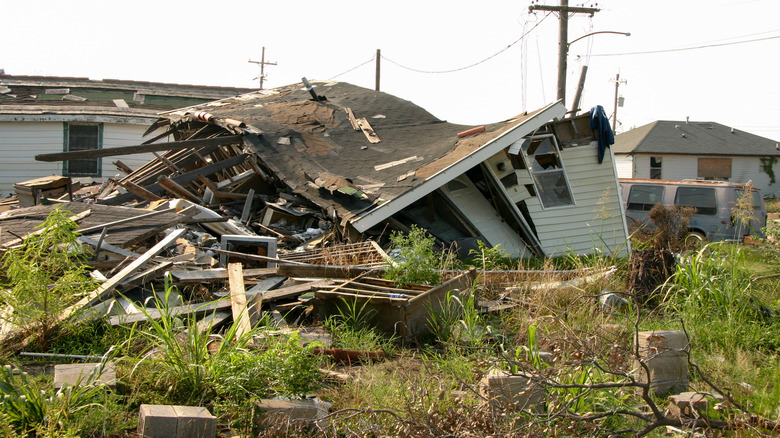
x,y
655,167
644,197
714,168
82,137
543,161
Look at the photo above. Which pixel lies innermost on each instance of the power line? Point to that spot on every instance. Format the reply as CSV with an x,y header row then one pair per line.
x,y
706,46
471,65
353,68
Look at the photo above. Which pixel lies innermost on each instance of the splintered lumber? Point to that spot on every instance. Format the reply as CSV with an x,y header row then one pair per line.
x,y
238,299
139,191
109,285
74,218
176,189
352,119
368,130
207,275
139,149
218,305
88,230
324,271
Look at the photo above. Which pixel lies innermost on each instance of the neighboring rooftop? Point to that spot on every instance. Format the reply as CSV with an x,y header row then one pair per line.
x,y
39,95
693,138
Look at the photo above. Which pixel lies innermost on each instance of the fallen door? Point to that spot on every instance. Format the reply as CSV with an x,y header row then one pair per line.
x,y
462,192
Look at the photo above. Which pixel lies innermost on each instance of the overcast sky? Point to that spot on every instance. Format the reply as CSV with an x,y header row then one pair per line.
x,y
464,61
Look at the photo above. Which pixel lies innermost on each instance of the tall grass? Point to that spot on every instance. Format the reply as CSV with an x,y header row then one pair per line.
x,y
711,292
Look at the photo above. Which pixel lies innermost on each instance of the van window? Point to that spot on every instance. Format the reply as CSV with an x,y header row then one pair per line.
x,y
701,198
644,197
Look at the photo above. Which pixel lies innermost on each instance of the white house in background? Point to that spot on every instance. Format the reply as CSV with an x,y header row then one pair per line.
x,y
43,114
698,150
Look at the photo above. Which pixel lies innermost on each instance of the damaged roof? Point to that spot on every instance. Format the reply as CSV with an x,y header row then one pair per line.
x,y
365,175
52,95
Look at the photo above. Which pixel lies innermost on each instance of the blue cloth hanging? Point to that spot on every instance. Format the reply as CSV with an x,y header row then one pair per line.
x,y
599,122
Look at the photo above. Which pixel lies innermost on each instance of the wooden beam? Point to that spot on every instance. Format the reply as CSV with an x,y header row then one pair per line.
x,y
368,130
139,149
177,190
238,300
101,292
139,191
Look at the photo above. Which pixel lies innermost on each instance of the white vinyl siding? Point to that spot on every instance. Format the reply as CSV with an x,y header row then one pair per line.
x,y
20,142
681,167
595,223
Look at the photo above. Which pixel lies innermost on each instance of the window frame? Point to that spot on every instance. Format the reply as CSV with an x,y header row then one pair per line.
x,y
657,168
66,148
530,161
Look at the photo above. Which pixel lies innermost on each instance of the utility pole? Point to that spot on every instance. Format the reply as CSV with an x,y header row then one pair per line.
x,y
378,58
617,85
262,64
563,36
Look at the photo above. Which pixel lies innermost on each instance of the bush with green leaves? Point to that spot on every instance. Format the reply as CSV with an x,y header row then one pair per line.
x,y
45,275
193,367
417,262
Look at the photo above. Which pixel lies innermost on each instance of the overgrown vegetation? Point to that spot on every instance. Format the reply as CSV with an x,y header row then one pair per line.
x,y
575,353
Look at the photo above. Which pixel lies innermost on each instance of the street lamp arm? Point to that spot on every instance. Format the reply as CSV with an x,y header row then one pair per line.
x,y
594,33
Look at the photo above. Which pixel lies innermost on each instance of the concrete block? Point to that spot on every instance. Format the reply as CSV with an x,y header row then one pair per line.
x,y
79,374
503,388
163,421
666,355
157,421
691,404
194,421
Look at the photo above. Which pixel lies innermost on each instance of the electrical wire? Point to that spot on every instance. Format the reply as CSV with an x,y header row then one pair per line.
x,y
353,68
706,46
471,65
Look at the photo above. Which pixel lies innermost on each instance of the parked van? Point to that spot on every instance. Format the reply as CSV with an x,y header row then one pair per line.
x,y
713,201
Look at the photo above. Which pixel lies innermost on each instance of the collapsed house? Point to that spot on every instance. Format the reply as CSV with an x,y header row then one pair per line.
x,y
365,163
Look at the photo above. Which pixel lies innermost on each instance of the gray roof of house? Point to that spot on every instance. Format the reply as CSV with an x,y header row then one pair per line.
x,y
311,144
693,138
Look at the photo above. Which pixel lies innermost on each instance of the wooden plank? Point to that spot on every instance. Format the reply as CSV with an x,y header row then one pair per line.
x,y
324,271
184,178
139,149
123,167
177,190
368,130
293,291
88,230
217,274
238,300
396,163
102,292
352,119
139,191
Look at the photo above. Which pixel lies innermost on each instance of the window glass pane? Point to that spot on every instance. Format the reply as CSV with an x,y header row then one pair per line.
x,y
82,138
702,198
552,188
643,198
655,161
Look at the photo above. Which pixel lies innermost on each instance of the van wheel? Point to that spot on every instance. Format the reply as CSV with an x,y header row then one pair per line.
x,y
694,241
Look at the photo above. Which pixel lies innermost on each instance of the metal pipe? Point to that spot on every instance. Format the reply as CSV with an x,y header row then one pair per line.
x,y
310,89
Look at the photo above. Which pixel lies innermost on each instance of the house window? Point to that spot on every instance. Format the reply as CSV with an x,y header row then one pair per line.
x,y
82,137
714,168
543,161
655,167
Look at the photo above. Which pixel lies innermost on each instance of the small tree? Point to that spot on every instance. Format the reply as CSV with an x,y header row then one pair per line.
x,y
44,275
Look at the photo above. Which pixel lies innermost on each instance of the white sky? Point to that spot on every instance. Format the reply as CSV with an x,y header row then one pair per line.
x,y
210,43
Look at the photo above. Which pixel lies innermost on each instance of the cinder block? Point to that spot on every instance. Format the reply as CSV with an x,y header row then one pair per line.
x,y
691,404
79,374
163,421
157,421
501,388
194,421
